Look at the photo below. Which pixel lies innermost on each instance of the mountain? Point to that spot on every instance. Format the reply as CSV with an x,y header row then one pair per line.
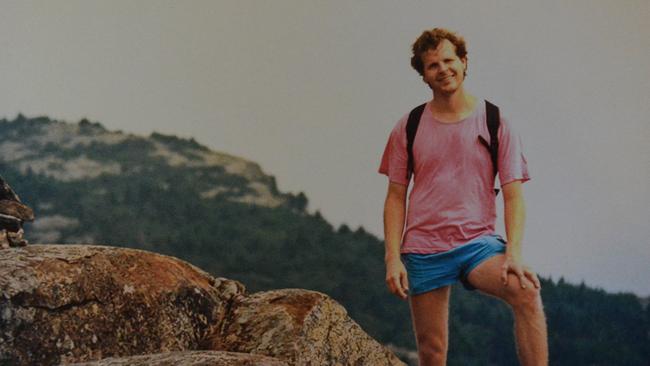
x,y
225,215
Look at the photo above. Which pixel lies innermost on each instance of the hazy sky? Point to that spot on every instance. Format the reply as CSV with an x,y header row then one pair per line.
x,y
311,89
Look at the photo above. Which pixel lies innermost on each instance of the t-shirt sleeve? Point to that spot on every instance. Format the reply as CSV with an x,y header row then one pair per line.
x,y
512,162
395,158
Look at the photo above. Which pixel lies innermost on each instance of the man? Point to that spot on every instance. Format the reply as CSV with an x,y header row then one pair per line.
x,y
447,233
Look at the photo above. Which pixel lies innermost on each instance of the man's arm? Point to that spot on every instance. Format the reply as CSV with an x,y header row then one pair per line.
x,y
394,216
515,217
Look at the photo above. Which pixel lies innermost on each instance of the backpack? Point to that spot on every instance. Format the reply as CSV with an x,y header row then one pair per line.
x,y
492,121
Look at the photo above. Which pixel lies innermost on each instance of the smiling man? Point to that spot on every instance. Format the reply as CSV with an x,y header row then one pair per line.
x,y
453,147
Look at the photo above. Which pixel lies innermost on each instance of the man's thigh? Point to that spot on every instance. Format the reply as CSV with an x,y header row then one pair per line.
x,y
430,314
486,277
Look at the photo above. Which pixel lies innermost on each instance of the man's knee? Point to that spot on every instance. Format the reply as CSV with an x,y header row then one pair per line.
x,y
524,299
432,347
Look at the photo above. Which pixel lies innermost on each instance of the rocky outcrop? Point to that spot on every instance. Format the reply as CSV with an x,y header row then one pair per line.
x,y
77,303
190,358
80,303
302,327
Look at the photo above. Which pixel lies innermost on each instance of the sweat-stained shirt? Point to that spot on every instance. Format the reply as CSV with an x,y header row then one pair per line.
x,y
452,200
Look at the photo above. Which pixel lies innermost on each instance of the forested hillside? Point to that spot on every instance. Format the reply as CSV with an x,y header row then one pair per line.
x,y
225,215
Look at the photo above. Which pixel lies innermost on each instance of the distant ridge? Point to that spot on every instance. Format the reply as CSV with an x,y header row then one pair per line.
x,y
76,151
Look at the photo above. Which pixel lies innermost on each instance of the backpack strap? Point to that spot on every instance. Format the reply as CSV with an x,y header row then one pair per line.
x,y
493,121
411,130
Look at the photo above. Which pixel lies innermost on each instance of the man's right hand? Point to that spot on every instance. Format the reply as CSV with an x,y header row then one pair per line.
x,y
396,278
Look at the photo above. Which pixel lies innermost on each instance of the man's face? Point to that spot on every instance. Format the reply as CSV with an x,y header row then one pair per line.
x,y
444,71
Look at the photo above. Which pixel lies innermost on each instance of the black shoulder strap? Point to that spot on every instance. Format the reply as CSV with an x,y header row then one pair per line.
x,y
411,130
493,121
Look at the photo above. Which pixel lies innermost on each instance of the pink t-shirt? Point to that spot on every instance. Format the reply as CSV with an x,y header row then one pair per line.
x,y
452,200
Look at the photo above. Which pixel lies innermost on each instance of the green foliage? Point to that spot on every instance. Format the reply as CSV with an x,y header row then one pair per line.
x,y
90,128
156,207
22,126
177,143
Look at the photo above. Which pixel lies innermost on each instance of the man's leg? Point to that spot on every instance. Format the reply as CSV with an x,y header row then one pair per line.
x,y
430,314
530,323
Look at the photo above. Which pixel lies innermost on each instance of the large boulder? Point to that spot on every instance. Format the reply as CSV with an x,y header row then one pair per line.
x,y
190,358
82,303
302,327
69,303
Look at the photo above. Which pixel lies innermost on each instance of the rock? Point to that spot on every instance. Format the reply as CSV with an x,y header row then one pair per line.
x,y
72,303
190,358
16,209
302,327
83,303
6,192
13,213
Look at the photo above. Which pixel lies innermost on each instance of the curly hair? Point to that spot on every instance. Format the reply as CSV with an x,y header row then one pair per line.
x,y
429,40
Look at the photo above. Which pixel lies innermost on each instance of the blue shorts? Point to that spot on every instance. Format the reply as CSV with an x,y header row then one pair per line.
x,y
427,272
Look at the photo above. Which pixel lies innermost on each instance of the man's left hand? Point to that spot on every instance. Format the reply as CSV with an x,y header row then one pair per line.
x,y
510,265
